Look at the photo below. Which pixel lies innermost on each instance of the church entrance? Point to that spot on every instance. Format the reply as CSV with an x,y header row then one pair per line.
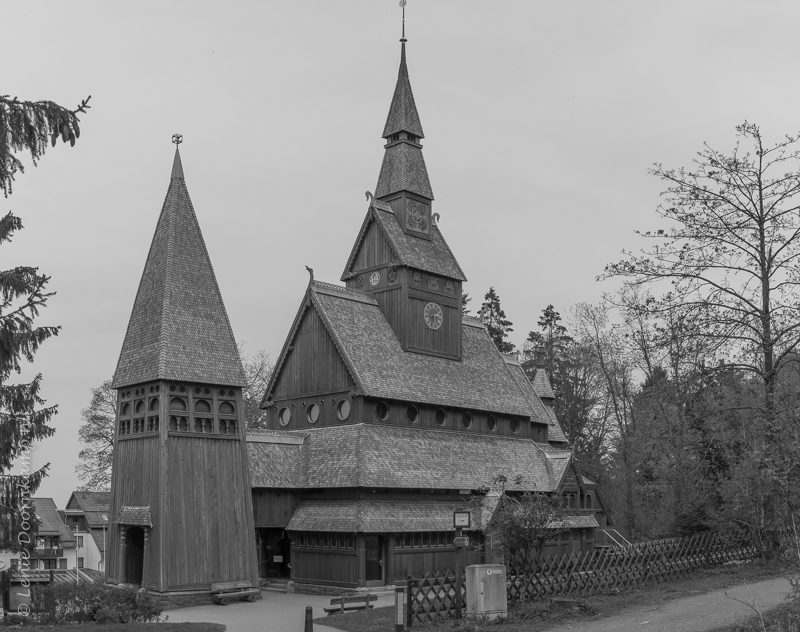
x,y
274,558
374,559
133,556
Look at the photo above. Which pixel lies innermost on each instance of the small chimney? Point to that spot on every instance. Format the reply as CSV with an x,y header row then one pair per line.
x,y
540,361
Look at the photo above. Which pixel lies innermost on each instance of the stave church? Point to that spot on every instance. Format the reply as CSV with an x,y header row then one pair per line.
x,y
387,410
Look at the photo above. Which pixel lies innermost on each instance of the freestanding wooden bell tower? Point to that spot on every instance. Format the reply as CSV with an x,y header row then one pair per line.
x,y
181,508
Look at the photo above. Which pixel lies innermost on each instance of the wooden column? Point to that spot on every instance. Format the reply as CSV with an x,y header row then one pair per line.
x,y
361,552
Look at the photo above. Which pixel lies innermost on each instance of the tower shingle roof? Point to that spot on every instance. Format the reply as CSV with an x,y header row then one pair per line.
x,y
403,169
403,115
179,329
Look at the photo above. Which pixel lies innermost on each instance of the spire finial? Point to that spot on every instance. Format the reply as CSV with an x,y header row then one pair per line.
x,y
177,167
403,5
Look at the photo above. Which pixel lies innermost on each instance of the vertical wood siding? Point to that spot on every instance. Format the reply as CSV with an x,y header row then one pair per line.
x,y
446,339
325,567
374,250
136,482
209,534
273,507
314,364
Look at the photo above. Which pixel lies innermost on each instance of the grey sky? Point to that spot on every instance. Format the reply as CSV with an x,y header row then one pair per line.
x,y
541,119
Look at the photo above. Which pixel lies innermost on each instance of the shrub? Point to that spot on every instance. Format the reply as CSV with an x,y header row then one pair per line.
x,y
56,604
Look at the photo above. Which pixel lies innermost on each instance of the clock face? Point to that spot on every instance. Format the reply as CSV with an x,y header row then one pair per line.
x,y
375,278
433,316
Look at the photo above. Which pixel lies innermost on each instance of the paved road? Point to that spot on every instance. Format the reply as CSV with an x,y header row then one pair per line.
x,y
690,614
276,612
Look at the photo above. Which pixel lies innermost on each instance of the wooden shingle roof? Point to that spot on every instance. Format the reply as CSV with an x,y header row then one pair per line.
x,y
50,523
403,169
432,255
372,455
403,115
136,515
542,413
179,329
381,368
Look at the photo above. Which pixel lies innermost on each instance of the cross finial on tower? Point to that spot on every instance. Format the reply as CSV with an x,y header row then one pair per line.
x,y
403,5
177,138
177,167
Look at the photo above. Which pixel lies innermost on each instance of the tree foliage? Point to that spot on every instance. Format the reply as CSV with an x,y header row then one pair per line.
x,y
520,524
729,259
496,322
31,126
24,418
97,437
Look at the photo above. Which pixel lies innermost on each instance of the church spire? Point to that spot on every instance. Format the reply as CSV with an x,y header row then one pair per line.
x,y
403,168
179,329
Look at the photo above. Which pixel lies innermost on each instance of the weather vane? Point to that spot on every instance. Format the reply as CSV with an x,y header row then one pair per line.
x,y
177,138
403,4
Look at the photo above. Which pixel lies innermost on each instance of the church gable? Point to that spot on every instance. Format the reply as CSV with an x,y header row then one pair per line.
x,y
372,248
311,361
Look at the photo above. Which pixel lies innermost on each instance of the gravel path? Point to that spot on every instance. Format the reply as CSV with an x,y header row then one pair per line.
x,y
690,614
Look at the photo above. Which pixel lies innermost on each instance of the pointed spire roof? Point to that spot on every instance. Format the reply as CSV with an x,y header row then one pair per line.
x,y
403,115
179,329
403,167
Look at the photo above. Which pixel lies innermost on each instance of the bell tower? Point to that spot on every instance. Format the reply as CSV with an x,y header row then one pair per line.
x,y
181,510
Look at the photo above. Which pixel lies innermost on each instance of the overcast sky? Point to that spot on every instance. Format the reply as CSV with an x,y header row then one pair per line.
x,y
540,118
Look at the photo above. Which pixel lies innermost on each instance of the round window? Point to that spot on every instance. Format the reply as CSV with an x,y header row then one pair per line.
x,y
412,414
515,426
382,411
466,420
313,413
491,422
285,416
343,409
441,417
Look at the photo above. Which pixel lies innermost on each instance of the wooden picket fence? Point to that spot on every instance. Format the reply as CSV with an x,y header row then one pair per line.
x,y
600,570
433,596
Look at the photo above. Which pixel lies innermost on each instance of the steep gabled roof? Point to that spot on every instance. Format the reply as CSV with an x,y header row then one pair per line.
x,y
543,414
50,523
179,329
381,368
432,255
90,501
372,455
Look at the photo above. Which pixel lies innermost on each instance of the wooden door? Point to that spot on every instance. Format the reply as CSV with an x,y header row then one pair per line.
x,y
134,555
374,558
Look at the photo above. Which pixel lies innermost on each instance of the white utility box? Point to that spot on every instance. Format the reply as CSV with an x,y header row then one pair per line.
x,y
486,591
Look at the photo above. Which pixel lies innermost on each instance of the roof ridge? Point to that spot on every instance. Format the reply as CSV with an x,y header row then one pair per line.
x,y
447,246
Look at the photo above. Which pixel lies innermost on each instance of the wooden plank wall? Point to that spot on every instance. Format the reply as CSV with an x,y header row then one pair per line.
x,y
135,483
375,249
324,566
313,349
208,532
273,507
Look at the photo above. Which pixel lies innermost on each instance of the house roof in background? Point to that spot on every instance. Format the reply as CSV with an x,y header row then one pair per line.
x,y
50,521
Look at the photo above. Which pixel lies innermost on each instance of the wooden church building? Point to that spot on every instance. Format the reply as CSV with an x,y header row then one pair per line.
x,y
387,410
388,407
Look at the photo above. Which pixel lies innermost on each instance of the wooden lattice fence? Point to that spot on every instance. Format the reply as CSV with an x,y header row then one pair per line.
x,y
600,570
651,562
433,596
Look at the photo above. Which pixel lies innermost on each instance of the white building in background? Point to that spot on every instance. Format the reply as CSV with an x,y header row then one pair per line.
x,y
86,516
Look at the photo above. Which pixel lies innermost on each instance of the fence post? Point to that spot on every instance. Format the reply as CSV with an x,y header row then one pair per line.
x,y
309,623
399,605
409,617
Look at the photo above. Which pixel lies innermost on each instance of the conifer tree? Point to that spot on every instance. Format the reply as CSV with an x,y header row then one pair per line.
x,y
24,125
496,322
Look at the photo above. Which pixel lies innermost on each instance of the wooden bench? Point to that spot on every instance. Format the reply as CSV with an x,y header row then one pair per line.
x,y
225,592
352,602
